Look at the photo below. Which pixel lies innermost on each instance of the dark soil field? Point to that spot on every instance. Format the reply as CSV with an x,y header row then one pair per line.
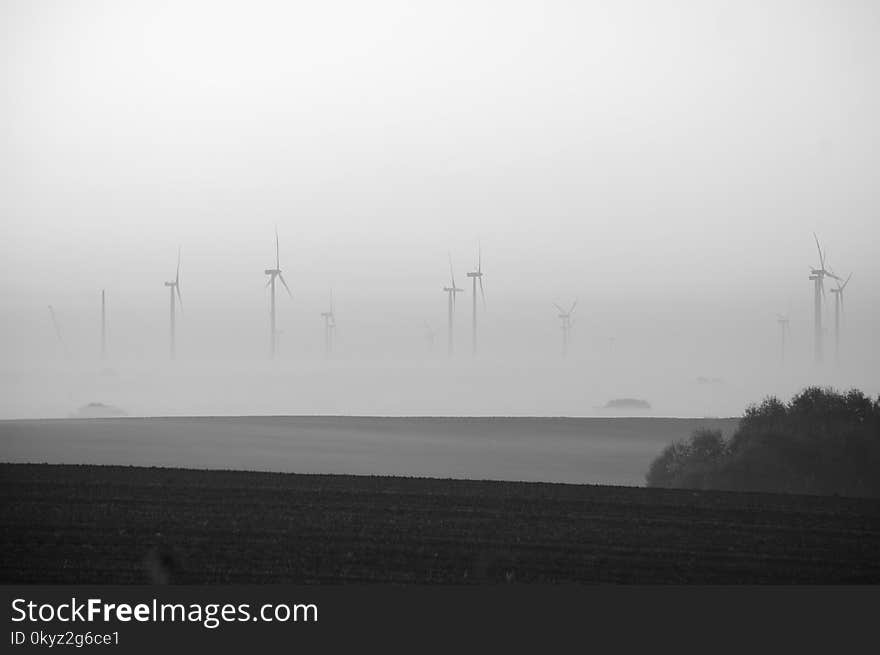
x,y
109,524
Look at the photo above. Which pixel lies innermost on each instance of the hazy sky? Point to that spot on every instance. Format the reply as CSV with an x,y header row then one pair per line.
x,y
664,162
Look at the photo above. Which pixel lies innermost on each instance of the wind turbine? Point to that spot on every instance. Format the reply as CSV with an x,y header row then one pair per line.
x,y
477,275
818,275
103,325
784,330
565,316
172,287
838,310
274,273
451,293
329,327
57,328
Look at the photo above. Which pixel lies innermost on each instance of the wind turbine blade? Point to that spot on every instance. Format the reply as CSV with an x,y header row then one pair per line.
x,y
177,276
479,258
845,283
573,305
451,272
281,277
57,327
821,258
561,311
830,272
277,256
482,294
179,299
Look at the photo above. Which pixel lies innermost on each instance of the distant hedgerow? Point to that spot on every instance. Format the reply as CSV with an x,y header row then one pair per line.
x,y
821,442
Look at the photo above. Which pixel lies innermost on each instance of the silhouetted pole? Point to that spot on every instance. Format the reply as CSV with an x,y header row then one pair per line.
x,y
565,317
171,297
172,287
474,323
836,325
449,293
817,316
103,326
838,310
273,273
273,336
477,275
328,334
565,326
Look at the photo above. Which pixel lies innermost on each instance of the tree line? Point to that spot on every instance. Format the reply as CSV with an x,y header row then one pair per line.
x,y
821,442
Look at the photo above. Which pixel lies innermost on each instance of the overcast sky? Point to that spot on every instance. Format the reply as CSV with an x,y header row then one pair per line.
x,y
666,163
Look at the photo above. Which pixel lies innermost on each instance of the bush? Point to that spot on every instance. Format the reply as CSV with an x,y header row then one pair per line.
x,y
688,460
821,442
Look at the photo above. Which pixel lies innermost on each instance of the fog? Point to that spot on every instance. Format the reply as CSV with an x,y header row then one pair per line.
x,y
665,164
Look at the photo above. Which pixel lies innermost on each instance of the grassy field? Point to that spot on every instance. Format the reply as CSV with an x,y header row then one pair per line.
x,y
573,450
108,524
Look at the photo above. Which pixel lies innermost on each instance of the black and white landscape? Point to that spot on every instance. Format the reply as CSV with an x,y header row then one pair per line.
x,y
444,293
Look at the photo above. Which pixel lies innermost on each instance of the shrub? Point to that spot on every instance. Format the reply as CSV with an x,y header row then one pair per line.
x,y
689,460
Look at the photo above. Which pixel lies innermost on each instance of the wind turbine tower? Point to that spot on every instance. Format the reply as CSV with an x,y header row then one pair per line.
x,y
274,273
103,325
838,310
172,288
329,328
451,293
477,275
817,275
565,317
783,331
